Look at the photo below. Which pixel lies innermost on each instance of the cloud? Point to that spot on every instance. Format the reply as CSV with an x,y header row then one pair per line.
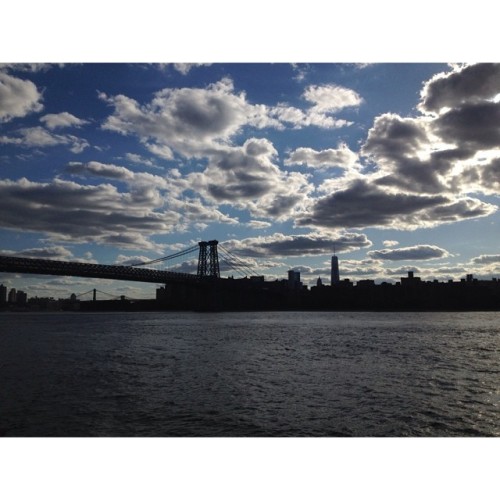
x,y
486,259
258,224
129,260
342,157
402,150
472,125
364,204
300,71
331,98
248,178
54,253
450,150
135,158
188,120
39,137
464,84
402,271
185,68
95,168
390,243
162,151
195,122
18,97
279,244
196,212
60,120
68,211
146,190
417,252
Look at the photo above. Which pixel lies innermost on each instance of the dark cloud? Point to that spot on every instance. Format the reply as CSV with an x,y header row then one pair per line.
x,y
54,252
363,204
394,145
469,84
248,178
486,259
69,211
476,126
298,245
94,168
437,155
393,137
417,252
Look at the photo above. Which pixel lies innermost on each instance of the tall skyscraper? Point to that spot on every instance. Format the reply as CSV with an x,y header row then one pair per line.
x,y
335,277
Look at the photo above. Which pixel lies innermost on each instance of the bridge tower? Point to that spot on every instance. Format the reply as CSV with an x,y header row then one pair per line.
x,y
208,260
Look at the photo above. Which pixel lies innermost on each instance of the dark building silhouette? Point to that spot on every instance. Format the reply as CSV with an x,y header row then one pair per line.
x,y
335,275
294,282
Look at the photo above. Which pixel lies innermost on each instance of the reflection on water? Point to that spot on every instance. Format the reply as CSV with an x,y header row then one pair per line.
x,y
250,374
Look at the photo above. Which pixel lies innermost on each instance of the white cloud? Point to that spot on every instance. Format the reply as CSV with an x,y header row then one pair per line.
x,y
331,98
195,122
162,151
135,158
18,97
188,120
40,137
61,120
390,243
185,68
258,224
342,157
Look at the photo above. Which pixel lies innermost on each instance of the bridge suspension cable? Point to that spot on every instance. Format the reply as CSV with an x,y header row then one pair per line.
x,y
168,257
236,263
94,291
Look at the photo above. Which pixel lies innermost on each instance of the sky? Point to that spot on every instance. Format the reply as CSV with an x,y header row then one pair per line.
x,y
395,165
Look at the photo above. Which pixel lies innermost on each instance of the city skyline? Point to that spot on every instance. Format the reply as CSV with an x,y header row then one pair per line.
x,y
394,165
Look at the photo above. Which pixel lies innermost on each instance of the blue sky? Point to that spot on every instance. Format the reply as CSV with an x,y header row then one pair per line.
x,y
396,164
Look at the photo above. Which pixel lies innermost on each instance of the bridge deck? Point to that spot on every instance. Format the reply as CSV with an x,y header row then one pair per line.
x,y
63,268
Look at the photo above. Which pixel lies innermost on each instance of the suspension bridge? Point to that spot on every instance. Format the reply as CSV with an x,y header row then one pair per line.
x,y
208,268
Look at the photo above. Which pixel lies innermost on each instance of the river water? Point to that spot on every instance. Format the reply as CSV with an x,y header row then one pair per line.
x,y
250,374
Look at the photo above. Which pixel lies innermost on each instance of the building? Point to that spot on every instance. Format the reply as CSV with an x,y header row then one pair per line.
x,y
3,294
294,280
411,280
335,277
12,296
21,297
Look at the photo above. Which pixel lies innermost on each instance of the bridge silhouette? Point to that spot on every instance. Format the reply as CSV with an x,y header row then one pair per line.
x,y
208,267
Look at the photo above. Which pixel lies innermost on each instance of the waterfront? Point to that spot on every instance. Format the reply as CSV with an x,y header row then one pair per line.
x,y
250,374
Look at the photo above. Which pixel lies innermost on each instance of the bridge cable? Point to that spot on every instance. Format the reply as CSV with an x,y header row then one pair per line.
x,y
237,261
168,257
